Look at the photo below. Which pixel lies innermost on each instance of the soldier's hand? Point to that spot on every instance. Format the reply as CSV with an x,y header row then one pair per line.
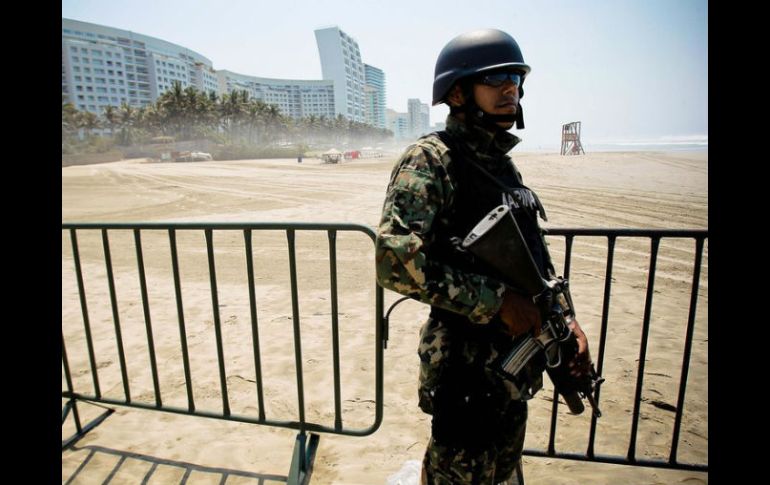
x,y
581,364
519,314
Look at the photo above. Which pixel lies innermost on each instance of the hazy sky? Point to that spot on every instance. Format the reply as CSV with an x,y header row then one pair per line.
x,y
628,69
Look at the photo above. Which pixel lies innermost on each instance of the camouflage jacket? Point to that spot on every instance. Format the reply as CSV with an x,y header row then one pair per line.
x,y
419,191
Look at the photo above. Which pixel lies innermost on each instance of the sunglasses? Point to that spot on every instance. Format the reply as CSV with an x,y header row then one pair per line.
x,y
498,78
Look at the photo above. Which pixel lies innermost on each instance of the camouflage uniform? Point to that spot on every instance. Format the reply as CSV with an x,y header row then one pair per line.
x,y
433,199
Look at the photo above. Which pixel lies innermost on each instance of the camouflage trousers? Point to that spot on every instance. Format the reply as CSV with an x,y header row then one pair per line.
x,y
479,422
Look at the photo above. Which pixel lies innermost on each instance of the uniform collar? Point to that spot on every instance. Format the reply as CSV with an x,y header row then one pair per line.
x,y
479,140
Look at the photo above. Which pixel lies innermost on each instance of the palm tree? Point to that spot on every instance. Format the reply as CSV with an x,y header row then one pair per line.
x,y
87,122
68,120
111,118
173,106
127,120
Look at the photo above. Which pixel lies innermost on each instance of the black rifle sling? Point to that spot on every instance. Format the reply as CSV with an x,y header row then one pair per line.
x,y
447,139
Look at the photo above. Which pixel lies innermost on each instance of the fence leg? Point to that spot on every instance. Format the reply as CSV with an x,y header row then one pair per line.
x,y
302,459
80,431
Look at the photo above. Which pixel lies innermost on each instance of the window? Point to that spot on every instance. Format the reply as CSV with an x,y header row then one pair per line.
x,y
78,79
73,49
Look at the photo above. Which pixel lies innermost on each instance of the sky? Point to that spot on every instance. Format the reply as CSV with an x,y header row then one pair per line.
x,y
631,71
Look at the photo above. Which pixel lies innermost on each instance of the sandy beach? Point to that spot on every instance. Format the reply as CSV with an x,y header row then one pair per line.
x,y
597,190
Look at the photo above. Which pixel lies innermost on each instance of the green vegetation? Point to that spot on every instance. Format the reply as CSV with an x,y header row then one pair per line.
x,y
238,126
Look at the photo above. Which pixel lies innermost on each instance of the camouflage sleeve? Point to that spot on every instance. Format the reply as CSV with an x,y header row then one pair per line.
x,y
415,196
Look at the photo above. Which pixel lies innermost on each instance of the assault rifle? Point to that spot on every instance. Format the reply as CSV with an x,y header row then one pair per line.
x,y
497,241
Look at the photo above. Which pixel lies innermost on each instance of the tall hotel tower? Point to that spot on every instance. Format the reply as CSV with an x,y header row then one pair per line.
x,y
375,96
341,63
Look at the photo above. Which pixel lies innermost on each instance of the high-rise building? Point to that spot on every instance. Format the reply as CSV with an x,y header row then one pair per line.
x,y
374,89
398,123
103,66
295,98
341,63
419,117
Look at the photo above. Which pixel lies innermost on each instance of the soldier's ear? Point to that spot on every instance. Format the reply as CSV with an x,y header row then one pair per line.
x,y
455,97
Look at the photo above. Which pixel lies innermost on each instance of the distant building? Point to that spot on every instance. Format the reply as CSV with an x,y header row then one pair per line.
x,y
341,63
103,66
440,125
374,89
419,117
398,123
295,98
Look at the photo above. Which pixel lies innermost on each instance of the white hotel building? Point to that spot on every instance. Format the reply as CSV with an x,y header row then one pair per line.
x,y
104,66
295,98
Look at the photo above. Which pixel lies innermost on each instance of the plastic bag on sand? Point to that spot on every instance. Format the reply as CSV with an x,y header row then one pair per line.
x,y
409,474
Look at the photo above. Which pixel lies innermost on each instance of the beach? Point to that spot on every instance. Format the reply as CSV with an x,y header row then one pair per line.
x,y
615,190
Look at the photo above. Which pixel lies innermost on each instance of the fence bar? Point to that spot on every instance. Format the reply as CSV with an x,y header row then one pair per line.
x,y
687,348
615,460
611,239
295,318
68,378
147,321
381,342
180,313
555,403
115,316
217,323
84,308
254,325
643,347
229,417
332,234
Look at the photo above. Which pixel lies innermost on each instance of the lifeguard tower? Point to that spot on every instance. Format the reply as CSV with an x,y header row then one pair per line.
x,y
570,139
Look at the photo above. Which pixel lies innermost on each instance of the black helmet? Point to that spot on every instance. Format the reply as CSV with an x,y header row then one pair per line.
x,y
474,52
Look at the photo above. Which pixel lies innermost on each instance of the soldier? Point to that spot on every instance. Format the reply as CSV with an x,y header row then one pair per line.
x,y
440,188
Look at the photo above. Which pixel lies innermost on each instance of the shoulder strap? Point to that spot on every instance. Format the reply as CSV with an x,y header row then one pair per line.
x,y
449,142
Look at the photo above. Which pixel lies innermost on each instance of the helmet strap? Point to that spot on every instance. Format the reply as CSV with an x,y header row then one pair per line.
x,y
474,113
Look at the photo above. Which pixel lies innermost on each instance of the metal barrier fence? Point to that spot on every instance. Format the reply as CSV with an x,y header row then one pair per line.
x,y
304,450
654,236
